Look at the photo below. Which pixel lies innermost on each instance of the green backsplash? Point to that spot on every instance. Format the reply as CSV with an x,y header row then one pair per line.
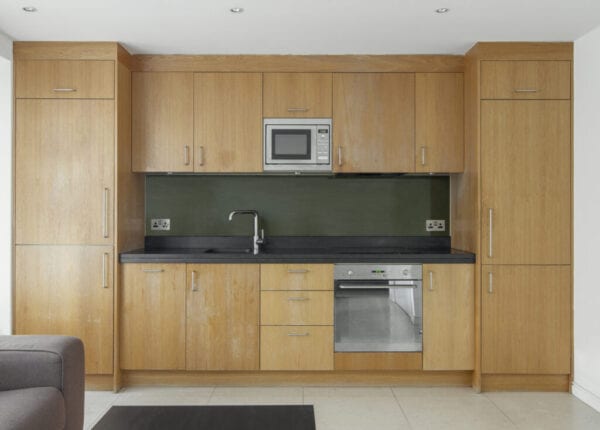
x,y
298,206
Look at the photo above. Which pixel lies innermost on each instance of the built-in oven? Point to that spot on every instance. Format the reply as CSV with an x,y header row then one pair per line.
x,y
378,307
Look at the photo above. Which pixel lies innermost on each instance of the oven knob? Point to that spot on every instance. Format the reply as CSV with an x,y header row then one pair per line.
x,y
405,272
350,272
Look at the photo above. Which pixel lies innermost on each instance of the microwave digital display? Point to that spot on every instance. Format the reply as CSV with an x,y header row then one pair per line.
x,y
291,144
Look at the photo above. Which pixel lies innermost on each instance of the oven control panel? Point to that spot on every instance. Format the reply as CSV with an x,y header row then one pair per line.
x,y
373,271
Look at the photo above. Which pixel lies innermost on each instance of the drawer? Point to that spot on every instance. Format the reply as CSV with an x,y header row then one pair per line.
x,y
296,277
296,308
526,80
54,79
296,348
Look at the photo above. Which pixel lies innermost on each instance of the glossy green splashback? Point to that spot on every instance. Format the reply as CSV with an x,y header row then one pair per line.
x,y
298,206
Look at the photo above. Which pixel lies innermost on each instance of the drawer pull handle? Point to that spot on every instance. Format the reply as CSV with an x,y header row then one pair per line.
x,y
298,299
298,334
297,109
64,90
153,270
525,90
298,270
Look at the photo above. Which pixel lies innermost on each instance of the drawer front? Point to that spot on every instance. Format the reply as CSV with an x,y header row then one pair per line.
x,y
296,308
526,80
296,277
53,79
296,348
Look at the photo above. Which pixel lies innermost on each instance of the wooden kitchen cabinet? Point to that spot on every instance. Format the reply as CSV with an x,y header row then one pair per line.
x,y
222,317
162,122
439,120
66,79
526,320
152,320
374,122
68,290
297,95
64,171
296,277
228,122
526,181
296,307
448,316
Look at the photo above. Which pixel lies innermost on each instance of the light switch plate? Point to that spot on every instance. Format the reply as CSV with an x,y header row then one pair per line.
x,y
435,225
160,224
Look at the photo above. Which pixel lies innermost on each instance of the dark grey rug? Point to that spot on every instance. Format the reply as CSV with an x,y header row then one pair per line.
x,y
208,418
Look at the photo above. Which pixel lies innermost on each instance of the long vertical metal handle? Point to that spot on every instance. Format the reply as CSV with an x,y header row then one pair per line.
x,y
104,268
194,281
430,280
491,235
422,155
201,155
186,155
491,283
105,215
339,155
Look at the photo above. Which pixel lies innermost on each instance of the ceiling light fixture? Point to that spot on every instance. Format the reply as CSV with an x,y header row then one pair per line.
x,y
30,9
442,10
236,9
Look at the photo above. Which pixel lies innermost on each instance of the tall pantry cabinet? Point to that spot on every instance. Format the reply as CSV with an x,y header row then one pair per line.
x,y
72,160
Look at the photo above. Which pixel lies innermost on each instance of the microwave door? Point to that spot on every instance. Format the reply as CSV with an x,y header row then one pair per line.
x,y
290,145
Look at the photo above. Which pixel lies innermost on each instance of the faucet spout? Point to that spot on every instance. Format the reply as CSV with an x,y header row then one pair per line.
x,y
256,239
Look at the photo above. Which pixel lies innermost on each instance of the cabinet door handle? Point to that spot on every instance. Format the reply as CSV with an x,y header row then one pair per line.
x,y
104,268
422,155
194,288
339,156
201,155
491,283
105,215
298,299
298,270
64,90
430,280
526,90
153,270
298,334
491,232
297,109
186,155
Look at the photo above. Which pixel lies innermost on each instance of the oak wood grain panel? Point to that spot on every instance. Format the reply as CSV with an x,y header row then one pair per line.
x,y
68,290
64,171
439,116
98,382
296,308
547,383
64,50
448,316
522,51
296,277
378,361
296,348
297,95
298,63
152,318
526,80
526,181
373,115
45,78
162,122
526,319
228,122
222,317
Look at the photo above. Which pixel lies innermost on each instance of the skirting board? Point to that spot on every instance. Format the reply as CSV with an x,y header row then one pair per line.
x,y
586,396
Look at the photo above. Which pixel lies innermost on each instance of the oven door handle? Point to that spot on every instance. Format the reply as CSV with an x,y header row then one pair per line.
x,y
390,284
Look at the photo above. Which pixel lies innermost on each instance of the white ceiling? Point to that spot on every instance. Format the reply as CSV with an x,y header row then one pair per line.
x,y
299,26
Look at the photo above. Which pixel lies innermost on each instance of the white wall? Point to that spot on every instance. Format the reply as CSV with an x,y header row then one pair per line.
x,y
5,182
587,208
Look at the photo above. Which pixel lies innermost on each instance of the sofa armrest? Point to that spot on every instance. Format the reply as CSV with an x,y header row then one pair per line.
x,y
46,361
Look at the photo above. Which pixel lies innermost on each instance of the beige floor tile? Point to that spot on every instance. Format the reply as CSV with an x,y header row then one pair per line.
x,y
433,391
256,396
347,392
96,405
463,412
164,396
546,411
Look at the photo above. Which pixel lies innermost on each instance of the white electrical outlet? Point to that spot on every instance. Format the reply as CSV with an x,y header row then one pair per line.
x,y
160,224
435,225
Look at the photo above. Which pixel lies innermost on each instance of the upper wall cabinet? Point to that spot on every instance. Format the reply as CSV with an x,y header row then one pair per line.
x,y
162,122
227,122
374,122
297,95
439,122
526,80
52,79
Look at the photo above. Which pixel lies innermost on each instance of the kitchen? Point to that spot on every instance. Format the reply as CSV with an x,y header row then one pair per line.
x,y
298,219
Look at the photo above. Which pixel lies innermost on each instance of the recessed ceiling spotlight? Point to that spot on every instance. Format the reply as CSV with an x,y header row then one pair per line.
x,y
30,9
236,9
442,10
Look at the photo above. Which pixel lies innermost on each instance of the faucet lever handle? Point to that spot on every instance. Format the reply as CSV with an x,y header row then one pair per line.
x,y
262,235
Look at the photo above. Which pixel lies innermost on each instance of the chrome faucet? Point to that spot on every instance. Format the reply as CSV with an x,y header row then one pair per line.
x,y
256,240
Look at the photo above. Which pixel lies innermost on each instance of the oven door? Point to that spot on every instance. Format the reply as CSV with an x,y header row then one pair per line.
x,y
378,316
290,144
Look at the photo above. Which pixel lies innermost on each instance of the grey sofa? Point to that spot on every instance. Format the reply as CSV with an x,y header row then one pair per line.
x,y
41,383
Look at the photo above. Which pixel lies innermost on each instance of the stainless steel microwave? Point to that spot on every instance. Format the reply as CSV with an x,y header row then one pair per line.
x,y
297,145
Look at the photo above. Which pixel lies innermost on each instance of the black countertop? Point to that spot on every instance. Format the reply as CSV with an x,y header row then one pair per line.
x,y
314,249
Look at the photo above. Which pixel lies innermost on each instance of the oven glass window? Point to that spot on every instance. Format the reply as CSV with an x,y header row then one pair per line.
x,y
291,144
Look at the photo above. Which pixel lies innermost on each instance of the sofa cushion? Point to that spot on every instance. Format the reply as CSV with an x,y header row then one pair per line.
x,y
32,408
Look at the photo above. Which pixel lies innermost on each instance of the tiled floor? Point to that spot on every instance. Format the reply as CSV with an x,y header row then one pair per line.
x,y
389,408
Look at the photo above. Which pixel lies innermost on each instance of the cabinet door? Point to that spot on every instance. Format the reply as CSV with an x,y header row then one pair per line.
x,y
228,122
68,290
439,122
153,317
162,120
64,171
297,95
448,316
526,181
374,122
526,319
222,317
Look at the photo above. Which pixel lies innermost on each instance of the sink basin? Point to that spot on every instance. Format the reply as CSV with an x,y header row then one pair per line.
x,y
228,251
